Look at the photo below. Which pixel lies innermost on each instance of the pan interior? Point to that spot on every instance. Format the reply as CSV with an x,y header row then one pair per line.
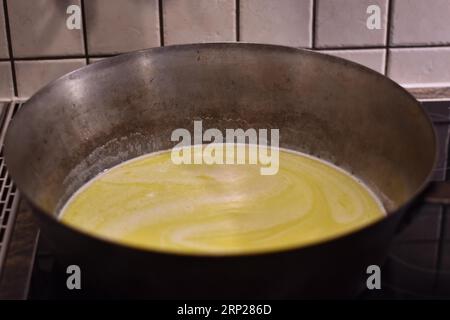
x,y
128,106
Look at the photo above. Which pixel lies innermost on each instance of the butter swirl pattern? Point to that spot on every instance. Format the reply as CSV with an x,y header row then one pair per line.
x,y
149,202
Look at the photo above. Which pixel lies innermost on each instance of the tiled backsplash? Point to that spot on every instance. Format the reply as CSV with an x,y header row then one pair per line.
x,y
36,46
342,24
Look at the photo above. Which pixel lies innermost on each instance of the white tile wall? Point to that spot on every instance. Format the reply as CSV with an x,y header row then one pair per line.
x,y
420,66
420,22
38,29
187,21
33,75
338,27
116,26
284,22
3,40
97,59
371,58
6,85
341,23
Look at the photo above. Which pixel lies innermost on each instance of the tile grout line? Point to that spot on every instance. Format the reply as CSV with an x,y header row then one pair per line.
x,y
384,47
84,33
313,24
50,58
420,46
10,50
237,21
161,22
346,48
388,36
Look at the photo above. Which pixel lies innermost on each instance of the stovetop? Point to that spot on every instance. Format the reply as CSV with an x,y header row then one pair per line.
x,y
418,265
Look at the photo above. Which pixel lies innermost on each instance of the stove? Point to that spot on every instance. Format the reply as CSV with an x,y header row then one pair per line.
x,y
418,265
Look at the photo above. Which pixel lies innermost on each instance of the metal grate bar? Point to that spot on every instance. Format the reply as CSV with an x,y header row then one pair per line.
x,y
9,195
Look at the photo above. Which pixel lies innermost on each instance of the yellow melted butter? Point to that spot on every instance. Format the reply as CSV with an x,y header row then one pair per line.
x,y
150,202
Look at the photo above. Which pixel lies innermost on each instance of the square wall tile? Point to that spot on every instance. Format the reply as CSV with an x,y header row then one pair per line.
x,y
372,58
416,67
116,26
341,23
3,40
96,59
284,22
419,22
38,29
33,75
6,83
187,21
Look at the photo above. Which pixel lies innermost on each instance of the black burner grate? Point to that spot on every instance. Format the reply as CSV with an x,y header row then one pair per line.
x,y
9,196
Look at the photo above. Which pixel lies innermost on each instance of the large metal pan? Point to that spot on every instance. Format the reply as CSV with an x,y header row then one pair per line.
x,y
123,107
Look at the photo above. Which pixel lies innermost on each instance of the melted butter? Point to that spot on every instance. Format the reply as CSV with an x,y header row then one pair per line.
x,y
149,202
